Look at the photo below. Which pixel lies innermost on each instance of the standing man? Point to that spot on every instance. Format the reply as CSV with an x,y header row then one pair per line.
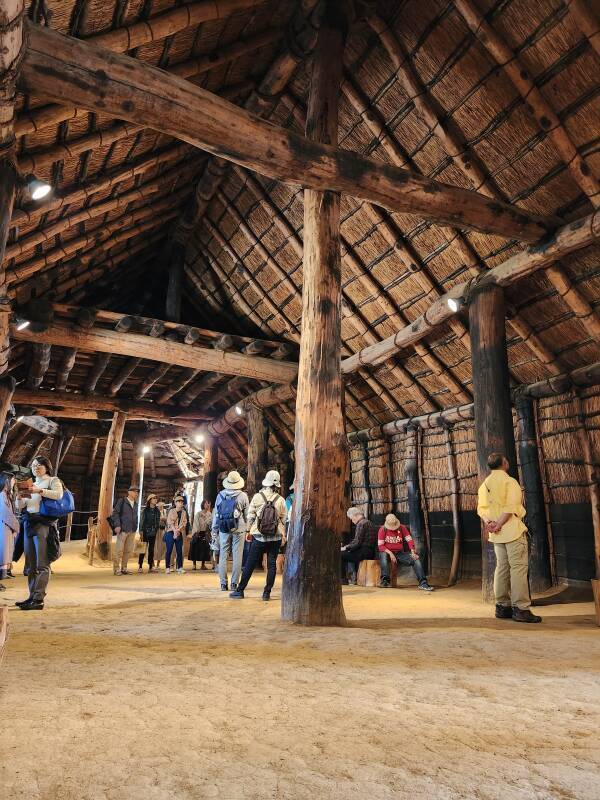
x,y
361,547
125,524
266,518
500,506
229,524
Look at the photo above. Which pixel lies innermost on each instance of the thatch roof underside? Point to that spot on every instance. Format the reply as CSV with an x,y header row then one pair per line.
x,y
243,270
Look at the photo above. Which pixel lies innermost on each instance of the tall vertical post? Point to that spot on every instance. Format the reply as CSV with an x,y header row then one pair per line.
x,y
416,522
107,483
491,397
258,446
89,471
312,592
56,450
540,573
7,389
12,44
173,301
211,469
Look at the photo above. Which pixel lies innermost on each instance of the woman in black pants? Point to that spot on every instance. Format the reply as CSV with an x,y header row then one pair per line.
x,y
149,527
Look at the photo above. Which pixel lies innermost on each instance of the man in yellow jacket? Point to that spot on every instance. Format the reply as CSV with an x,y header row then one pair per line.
x,y
500,506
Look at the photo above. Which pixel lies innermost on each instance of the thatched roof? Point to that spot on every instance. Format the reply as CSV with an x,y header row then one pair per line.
x,y
426,86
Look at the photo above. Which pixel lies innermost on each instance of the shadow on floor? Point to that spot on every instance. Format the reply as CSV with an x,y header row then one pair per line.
x,y
566,594
580,621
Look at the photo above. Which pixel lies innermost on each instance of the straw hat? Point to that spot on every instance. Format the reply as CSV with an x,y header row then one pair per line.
x,y
392,523
233,480
151,497
272,478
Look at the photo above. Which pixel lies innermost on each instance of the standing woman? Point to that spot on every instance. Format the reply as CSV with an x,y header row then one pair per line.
x,y
200,544
149,527
37,529
9,524
177,521
160,547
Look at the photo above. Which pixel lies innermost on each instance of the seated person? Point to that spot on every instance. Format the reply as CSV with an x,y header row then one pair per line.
x,y
390,540
362,547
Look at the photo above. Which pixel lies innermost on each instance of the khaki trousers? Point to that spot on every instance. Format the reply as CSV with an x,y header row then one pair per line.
x,y
123,550
511,587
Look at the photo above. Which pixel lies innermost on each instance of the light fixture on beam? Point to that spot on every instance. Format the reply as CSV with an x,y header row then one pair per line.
x,y
238,411
22,324
146,449
453,304
37,189
199,438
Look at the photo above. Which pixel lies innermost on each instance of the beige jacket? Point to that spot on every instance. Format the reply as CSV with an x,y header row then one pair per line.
x,y
255,510
178,530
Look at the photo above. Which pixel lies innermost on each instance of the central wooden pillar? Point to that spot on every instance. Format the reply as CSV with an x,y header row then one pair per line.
x,y
416,522
107,483
312,592
211,469
258,445
491,398
540,572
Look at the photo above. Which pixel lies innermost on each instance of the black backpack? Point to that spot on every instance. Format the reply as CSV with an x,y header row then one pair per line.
x,y
268,521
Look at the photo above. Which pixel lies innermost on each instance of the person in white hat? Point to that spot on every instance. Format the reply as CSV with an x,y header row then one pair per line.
x,y
391,540
266,518
229,525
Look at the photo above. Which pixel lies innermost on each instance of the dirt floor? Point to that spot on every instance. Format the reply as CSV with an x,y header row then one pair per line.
x,y
156,687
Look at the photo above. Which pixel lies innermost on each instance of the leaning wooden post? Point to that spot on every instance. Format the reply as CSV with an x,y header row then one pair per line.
x,y
455,500
7,388
107,483
540,573
258,448
56,450
591,473
211,469
491,398
86,494
416,521
12,49
68,527
312,593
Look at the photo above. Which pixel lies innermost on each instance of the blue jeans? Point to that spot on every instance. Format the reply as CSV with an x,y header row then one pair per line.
x,y
402,558
170,540
234,543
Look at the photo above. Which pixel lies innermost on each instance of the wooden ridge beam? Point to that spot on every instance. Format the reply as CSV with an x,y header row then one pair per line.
x,y
67,69
139,346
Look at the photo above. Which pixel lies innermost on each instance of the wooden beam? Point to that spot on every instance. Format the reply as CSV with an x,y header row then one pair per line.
x,y
40,361
107,483
12,44
70,401
69,70
161,350
312,593
40,424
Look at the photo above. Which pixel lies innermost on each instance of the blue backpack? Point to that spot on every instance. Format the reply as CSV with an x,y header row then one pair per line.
x,y
228,523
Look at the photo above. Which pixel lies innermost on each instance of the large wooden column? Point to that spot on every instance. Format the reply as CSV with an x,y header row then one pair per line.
x,y
11,53
540,573
312,592
7,388
107,483
258,444
491,399
211,469
416,521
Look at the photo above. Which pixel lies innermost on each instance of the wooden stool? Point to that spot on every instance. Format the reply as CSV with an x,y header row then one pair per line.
x,y
369,573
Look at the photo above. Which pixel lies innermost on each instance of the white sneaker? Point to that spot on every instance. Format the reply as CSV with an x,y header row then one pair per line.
x,y
181,571
167,570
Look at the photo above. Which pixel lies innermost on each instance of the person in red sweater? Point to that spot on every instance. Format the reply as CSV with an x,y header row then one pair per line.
x,y
391,539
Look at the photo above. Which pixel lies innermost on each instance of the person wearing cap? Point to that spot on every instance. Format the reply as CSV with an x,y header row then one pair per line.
x,y
229,525
149,527
125,524
392,540
361,547
500,507
263,541
177,522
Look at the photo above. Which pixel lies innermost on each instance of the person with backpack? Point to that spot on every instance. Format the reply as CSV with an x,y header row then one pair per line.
x,y
38,531
124,521
229,525
361,548
266,517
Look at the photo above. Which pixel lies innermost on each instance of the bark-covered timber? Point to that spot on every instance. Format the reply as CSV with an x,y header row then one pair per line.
x,y
86,493
69,70
184,355
211,469
592,477
565,240
56,450
175,282
540,573
455,501
258,449
494,431
40,361
12,49
7,388
411,475
112,455
312,592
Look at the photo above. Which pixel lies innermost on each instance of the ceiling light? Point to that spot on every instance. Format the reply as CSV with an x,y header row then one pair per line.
x,y
199,438
145,449
19,419
452,304
38,189
23,324
238,411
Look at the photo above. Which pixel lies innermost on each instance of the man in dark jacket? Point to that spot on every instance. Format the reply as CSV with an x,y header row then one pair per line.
x,y
125,522
362,547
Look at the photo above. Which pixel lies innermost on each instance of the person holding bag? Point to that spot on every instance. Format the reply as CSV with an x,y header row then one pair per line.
x,y
39,529
200,543
177,522
149,528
